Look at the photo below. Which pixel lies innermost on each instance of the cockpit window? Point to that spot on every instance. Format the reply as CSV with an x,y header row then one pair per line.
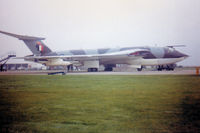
x,y
171,50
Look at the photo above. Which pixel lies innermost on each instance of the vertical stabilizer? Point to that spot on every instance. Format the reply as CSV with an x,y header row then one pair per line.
x,y
35,44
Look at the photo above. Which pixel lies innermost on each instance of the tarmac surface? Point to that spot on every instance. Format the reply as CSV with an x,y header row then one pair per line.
x,y
46,72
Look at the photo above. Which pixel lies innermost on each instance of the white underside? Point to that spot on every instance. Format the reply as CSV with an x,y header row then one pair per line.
x,y
136,62
151,62
57,62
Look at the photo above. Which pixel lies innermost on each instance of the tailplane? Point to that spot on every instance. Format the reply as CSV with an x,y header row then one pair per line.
x,y
35,44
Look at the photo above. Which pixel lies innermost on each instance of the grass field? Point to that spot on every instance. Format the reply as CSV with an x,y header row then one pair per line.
x,y
100,104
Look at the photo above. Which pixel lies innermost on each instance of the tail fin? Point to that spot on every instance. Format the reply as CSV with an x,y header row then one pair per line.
x,y
35,44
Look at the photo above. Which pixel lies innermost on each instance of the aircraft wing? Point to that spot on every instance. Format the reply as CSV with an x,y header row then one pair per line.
x,y
134,53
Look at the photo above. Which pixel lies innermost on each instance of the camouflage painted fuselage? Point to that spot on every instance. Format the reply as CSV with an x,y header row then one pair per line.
x,y
150,55
154,52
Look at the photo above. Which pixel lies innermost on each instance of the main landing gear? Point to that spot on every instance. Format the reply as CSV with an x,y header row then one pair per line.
x,y
109,67
169,67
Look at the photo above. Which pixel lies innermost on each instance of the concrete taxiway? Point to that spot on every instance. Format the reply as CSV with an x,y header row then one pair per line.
x,y
43,72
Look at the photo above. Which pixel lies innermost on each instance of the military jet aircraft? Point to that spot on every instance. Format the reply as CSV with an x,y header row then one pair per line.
x,y
91,59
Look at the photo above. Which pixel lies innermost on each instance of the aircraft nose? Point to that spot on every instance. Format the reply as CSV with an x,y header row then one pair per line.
x,y
179,54
185,55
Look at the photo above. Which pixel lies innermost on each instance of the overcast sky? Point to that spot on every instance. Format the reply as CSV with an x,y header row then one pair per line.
x,y
86,24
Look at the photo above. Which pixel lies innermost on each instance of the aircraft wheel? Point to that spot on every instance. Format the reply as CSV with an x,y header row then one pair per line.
x,y
160,68
108,69
94,70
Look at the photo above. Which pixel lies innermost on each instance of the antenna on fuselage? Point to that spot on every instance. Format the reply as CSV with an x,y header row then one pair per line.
x,y
172,46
